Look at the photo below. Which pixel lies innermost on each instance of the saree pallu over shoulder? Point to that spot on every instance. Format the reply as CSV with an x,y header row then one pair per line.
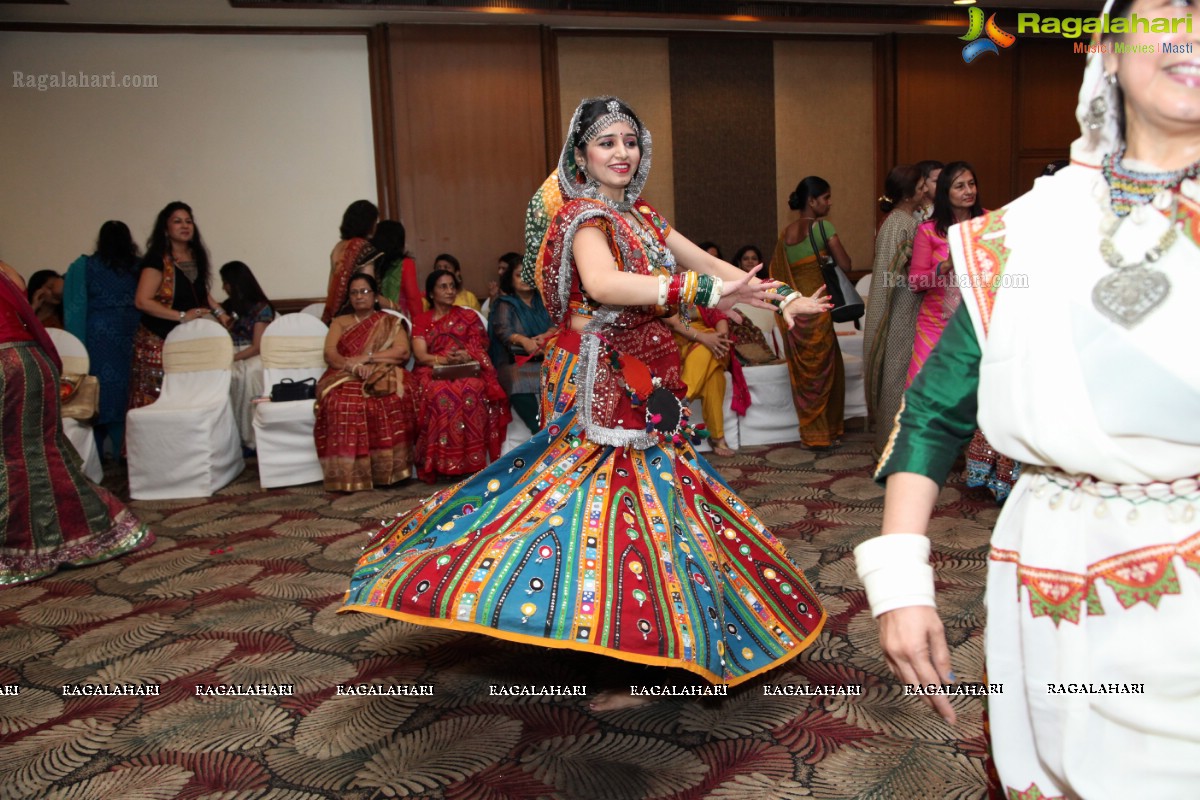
x,y
357,253
890,323
364,439
814,359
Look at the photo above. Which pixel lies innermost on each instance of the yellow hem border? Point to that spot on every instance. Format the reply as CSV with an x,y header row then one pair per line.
x,y
585,647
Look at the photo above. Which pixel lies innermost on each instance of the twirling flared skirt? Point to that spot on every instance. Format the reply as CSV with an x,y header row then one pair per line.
x,y
644,555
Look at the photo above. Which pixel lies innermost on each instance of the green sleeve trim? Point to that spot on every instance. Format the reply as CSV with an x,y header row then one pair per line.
x,y
937,416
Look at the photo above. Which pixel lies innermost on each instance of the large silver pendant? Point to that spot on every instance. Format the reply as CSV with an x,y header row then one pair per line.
x,y
1129,294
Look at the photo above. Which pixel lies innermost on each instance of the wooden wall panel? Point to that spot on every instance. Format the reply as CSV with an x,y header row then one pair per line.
x,y
952,111
1048,78
722,102
825,105
468,106
586,69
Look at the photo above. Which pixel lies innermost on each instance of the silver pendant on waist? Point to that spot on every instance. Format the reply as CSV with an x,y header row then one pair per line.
x,y
1133,290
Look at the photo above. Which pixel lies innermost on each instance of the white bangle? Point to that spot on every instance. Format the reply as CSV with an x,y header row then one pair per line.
x,y
718,288
786,300
663,285
895,571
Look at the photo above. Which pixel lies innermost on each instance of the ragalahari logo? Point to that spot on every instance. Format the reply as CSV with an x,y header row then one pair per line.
x,y
976,27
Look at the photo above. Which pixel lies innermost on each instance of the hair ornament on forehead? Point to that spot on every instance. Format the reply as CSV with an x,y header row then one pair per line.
x,y
613,116
573,181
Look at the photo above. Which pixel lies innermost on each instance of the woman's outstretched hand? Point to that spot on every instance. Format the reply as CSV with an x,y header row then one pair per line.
x,y
817,303
914,644
749,291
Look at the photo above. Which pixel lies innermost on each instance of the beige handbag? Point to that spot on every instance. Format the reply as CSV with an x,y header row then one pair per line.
x,y
80,396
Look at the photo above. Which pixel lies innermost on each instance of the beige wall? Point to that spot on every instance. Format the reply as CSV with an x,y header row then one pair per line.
x,y
825,126
267,137
591,66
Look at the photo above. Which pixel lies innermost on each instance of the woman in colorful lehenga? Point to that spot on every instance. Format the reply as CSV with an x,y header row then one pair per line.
x,y
352,254
814,358
53,516
364,427
98,299
891,304
172,289
606,532
463,409
1083,367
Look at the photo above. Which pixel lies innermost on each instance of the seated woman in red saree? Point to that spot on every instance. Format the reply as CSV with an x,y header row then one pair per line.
x,y
364,428
464,416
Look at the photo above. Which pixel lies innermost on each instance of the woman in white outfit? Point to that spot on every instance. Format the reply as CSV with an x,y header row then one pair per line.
x,y
1075,349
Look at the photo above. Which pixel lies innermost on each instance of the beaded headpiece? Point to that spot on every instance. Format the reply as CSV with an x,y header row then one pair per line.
x,y
572,182
615,114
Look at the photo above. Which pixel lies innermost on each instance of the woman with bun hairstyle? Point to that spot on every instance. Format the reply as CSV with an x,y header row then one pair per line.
x,y
891,305
814,359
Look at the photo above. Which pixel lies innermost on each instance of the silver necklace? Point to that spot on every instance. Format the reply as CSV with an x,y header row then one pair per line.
x,y
1133,290
656,252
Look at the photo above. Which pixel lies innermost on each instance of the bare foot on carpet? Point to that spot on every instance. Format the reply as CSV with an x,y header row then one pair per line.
x,y
720,448
616,699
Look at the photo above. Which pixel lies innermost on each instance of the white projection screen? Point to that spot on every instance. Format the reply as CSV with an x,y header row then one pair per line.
x,y
267,136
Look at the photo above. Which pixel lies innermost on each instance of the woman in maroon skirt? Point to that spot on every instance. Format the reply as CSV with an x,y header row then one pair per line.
x,y
52,515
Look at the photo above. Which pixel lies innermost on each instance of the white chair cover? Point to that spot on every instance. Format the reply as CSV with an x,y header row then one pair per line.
x,y
732,420
293,346
79,432
314,309
407,323
246,383
186,443
856,381
771,417
518,434
864,285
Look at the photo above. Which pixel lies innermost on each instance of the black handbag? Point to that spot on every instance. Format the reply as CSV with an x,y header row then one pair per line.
x,y
848,304
288,389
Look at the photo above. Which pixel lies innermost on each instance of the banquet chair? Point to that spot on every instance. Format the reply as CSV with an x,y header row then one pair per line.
x,y
79,432
771,418
732,421
293,346
850,341
407,323
518,433
186,443
314,309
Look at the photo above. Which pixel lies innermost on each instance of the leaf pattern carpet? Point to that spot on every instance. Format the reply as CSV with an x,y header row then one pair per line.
x,y
242,588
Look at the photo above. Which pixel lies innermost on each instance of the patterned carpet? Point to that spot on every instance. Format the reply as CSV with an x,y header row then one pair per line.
x,y
242,589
